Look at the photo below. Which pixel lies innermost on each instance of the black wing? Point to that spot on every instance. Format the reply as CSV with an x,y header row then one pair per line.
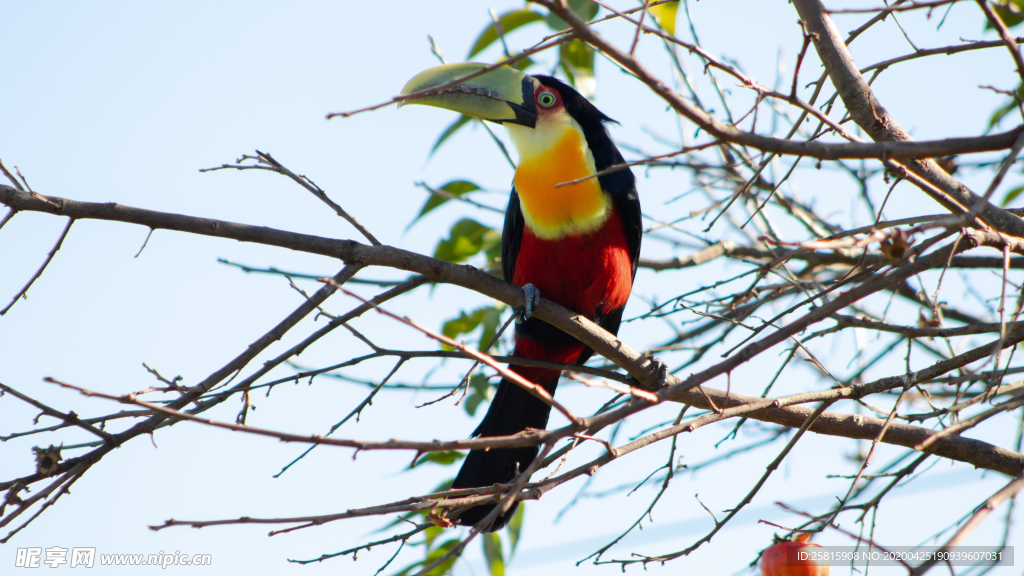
x,y
620,185
628,204
512,237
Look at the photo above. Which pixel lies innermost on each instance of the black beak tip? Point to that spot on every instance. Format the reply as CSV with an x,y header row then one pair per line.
x,y
526,113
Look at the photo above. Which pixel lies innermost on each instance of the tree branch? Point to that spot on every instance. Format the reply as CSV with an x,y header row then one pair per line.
x,y
871,116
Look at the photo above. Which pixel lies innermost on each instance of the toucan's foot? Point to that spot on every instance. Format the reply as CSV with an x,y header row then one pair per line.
x,y
662,371
532,296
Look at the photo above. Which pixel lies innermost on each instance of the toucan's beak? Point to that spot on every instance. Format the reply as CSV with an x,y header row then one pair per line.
x,y
500,95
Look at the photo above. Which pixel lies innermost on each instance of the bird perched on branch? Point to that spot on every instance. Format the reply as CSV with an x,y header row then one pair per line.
x,y
572,239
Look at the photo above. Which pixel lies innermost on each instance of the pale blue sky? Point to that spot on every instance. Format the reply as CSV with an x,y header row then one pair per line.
x,y
125,102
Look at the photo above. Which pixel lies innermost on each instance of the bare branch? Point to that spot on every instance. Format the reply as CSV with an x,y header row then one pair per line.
x,y
49,257
868,113
70,418
1007,492
1004,34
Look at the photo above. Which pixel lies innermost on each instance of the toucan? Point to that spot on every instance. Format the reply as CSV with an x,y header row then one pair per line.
x,y
575,244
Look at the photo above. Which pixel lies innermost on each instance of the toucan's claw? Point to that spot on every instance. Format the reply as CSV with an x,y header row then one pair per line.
x,y
532,296
662,371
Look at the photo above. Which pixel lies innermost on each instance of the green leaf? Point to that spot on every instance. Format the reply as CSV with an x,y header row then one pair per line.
x,y
431,534
523,64
480,390
464,324
436,553
490,323
492,553
473,401
515,528
455,188
488,317
409,568
1005,110
467,238
577,61
449,131
1001,113
665,15
1010,11
585,9
509,21
492,251
444,458
1012,194
480,385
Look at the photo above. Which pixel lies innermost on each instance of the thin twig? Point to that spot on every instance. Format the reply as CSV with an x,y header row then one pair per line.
x,y
24,291
1007,492
534,389
70,418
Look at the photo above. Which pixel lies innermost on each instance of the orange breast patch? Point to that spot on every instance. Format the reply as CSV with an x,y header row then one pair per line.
x,y
567,210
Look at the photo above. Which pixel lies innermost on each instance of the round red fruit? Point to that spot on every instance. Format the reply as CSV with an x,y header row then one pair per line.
x,y
775,560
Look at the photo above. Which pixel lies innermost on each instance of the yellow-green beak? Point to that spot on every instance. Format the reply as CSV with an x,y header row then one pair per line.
x,y
500,95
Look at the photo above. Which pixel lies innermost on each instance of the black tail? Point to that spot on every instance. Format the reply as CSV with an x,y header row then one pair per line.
x,y
512,410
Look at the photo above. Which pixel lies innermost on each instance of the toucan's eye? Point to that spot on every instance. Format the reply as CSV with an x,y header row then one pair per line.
x,y
546,99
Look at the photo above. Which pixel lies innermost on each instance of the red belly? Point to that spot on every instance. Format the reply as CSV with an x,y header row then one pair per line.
x,y
590,274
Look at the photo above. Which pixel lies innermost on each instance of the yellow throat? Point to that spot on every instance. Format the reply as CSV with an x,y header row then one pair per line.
x,y
554,152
